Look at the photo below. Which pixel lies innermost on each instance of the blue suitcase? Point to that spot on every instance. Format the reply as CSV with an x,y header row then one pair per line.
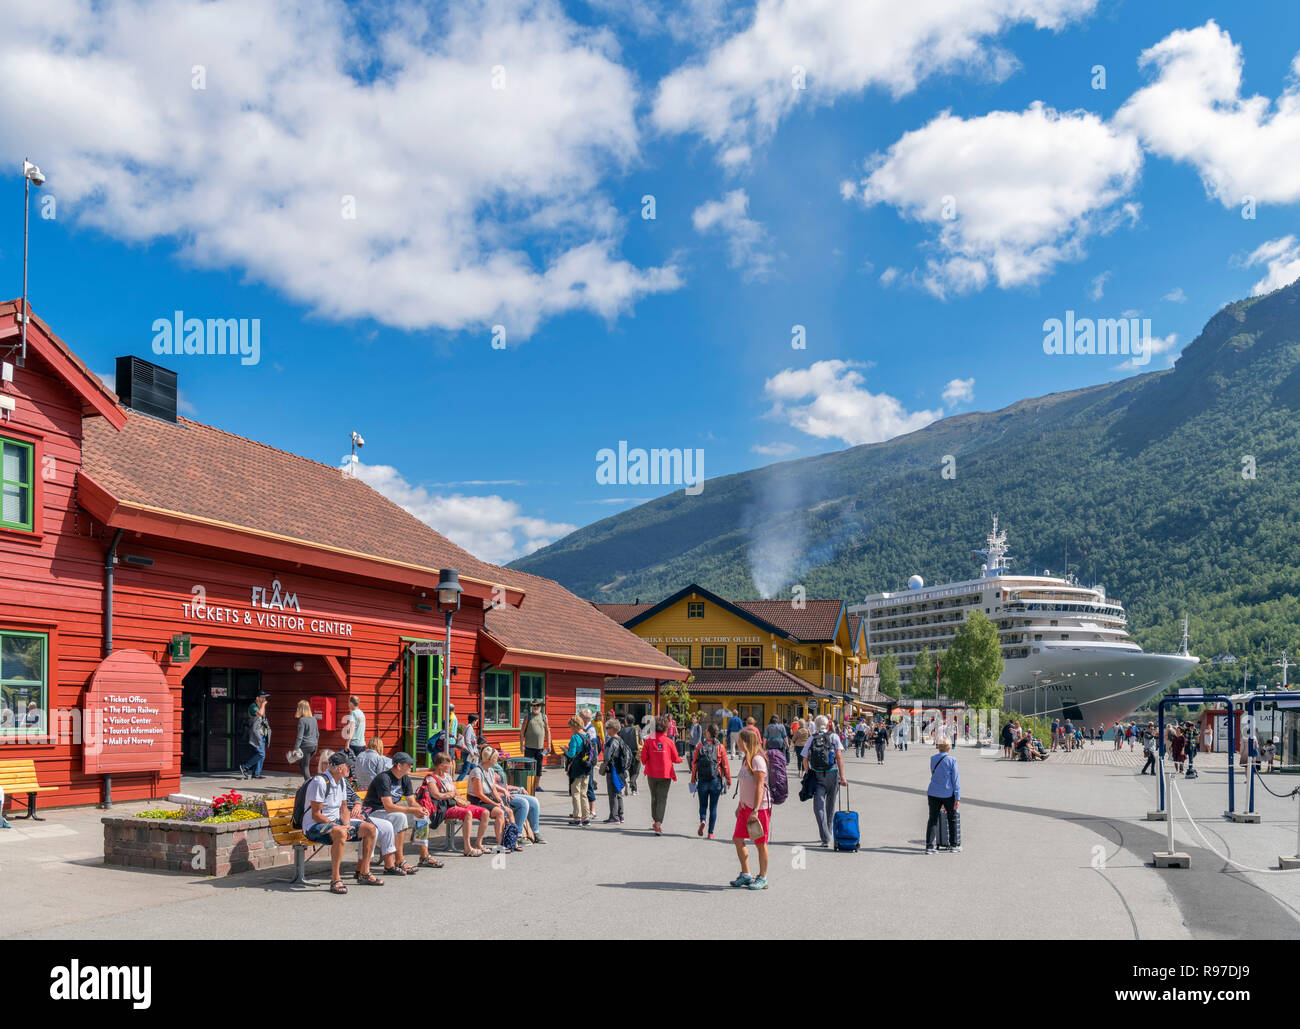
x,y
845,827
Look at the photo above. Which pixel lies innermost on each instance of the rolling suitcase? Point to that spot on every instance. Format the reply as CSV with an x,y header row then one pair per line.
x,y
944,841
845,826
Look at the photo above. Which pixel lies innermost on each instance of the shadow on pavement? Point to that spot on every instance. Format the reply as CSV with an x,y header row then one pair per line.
x,y
666,887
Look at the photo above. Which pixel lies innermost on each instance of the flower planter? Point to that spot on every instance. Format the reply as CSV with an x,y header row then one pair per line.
x,y
194,848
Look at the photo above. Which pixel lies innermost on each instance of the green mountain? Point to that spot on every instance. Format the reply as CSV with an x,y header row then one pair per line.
x,y
1177,489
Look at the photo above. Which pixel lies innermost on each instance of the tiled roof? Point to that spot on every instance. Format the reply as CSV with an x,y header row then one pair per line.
x,y
738,681
203,472
551,620
815,621
621,613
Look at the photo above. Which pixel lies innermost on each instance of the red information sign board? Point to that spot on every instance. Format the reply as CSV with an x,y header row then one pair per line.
x,y
127,722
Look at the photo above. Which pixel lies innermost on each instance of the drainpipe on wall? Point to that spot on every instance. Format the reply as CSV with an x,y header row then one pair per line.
x,y
482,681
110,559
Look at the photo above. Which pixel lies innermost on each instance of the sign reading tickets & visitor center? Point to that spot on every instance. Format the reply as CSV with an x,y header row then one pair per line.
x,y
127,721
270,607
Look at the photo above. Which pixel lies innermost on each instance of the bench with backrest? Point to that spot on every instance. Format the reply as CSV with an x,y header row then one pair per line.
x,y
280,813
18,777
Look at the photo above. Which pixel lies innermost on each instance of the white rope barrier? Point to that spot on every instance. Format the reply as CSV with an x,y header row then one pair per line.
x,y
1210,846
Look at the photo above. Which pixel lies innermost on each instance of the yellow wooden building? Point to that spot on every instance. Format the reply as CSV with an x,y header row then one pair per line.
x,y
756,657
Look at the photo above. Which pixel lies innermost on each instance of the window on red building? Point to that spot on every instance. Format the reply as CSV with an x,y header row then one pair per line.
x,y
16,484
24,698
497,706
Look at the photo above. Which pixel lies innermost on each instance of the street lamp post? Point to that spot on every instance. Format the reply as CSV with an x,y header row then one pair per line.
x,y
449,592
32,175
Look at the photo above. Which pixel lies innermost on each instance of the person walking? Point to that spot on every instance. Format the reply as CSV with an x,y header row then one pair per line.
x,y
754,815
1177,747
469,746
593,738
860,738
1149,749
824,755
709,771
631,737
734,725
614,765
259,735
659,757
307,740
943,794
775,736
696,734
801,734
881,738
578,760
535,739
354,727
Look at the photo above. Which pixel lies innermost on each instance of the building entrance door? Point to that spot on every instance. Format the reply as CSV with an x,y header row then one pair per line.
x,y
214,718
422,695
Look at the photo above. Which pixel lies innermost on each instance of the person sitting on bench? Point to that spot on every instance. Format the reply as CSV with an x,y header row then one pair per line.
x,y
443,787
390,798
326,822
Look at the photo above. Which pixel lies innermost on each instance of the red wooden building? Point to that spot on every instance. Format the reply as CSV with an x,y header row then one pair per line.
x,y
122,530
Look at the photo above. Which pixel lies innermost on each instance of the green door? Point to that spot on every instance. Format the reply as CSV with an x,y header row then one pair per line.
x,y
423,703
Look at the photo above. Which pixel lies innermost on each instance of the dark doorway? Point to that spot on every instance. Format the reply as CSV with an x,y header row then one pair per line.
x,y
215,717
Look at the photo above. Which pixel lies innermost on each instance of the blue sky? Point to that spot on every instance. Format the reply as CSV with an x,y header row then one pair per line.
x,y
201,157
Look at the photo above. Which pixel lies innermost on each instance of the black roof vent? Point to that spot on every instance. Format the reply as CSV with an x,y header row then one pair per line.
x,y
147,388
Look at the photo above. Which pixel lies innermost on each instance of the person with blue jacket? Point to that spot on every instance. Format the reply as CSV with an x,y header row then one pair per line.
x,y
944,794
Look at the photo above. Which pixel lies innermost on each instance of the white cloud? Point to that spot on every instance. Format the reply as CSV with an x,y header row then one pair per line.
x,y
745,237
828,400
959,391
1098,288
473,205
1194,111
491,528
888,276
738,93
1281,257
1158,345
1176,295
774,449
1012,194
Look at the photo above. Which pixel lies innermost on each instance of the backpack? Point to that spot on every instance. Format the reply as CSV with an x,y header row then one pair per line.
x,y
775,736
300,800
777,783
510,837
706,762
580,763
436,809
821,755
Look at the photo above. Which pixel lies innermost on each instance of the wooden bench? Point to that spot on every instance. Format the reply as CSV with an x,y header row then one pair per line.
x,y
511,749
19,776
280,813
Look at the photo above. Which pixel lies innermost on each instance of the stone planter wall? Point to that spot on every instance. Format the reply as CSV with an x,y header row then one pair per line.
x,y
196,848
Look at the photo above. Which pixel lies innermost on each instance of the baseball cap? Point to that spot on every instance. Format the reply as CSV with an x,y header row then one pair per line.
x,y
341,757
402,757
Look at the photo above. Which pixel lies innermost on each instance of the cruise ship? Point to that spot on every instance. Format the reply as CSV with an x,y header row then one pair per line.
x,y
1067,650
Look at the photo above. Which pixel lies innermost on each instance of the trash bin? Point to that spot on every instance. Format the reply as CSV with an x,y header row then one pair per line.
x,y
518,769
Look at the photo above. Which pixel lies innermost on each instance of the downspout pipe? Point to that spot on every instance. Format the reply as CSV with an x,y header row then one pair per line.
x,y
110,559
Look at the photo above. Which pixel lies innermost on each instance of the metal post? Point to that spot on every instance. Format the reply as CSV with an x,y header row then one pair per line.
x,y
1250,759
1232,757
446,688
27,214
1160,728
1169,822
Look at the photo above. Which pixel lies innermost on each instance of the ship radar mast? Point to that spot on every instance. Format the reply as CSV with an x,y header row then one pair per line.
x,y
996,561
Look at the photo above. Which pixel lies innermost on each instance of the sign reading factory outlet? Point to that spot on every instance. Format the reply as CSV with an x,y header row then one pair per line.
x,y
263,612
127,719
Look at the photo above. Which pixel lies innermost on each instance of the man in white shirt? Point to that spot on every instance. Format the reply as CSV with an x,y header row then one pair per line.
x,y
327,820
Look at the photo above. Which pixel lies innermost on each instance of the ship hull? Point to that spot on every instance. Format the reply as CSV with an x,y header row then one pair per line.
x,y
1090,687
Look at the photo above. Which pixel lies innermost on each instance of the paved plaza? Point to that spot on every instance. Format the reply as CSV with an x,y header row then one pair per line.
x,y
1058,849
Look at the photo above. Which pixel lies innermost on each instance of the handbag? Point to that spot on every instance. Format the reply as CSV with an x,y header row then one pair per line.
x,y
293,756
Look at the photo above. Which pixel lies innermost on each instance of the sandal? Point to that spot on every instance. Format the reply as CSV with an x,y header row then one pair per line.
x,y
395,870
368,879
474,852
337,887
429,862
406,868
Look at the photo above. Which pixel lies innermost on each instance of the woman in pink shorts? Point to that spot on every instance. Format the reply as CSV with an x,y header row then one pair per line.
x,y
754,816
443,787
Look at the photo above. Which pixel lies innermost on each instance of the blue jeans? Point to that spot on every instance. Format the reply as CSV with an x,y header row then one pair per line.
x,y
253,766
708,794
526,809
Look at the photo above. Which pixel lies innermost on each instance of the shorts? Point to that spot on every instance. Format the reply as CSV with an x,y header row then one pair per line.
x,y
459,812
320,832
742,823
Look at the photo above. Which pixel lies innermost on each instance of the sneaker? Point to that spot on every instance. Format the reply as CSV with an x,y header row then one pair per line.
x,y
700,830
538,839
586,822
620,821
957,849
742,880
758,884
931,850
710,835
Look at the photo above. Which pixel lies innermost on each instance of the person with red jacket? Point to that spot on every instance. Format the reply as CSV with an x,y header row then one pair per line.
x,y
658,758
